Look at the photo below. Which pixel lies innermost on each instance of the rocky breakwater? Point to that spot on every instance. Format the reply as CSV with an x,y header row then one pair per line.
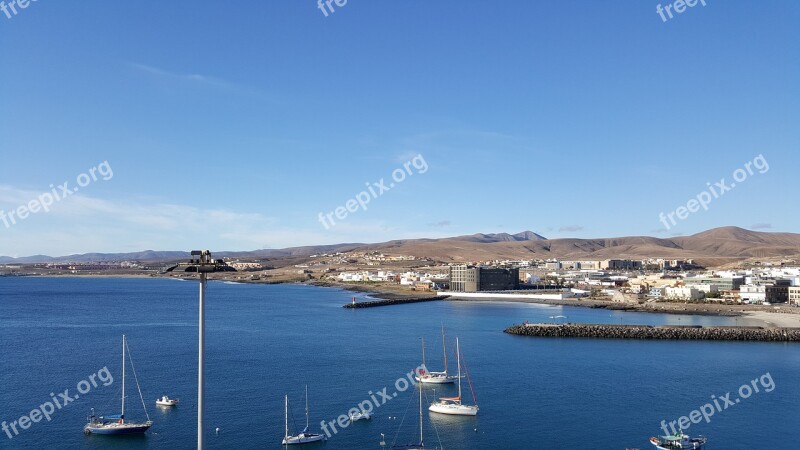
x,y
394,301
582,330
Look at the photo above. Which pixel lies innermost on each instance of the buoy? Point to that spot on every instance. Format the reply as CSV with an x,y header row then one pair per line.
x,y
217,430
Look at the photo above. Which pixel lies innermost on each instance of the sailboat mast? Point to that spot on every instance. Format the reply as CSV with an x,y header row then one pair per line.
x,y
306,407
444,350
421,439
423,352
286,417
123,377
458,358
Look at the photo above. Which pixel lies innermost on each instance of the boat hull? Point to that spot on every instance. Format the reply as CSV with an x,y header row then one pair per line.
x,y
302,439
118,429
688,443
454,409
435,379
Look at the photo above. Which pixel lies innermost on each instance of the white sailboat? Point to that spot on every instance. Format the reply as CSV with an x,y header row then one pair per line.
x,y
117,424
303,438
421,444
453,405
435,377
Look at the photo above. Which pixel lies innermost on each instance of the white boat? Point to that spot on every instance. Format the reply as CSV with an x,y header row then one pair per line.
x,y
435,377
166,401
117,424
453,405
303,438
361,415
678,441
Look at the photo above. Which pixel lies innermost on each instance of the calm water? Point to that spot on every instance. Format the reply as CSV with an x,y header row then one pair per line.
x,y
264,341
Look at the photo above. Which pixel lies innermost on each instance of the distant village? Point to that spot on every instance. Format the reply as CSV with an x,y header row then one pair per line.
x,y
620,280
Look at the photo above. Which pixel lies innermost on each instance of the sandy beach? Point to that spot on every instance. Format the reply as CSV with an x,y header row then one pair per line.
x,y
772,320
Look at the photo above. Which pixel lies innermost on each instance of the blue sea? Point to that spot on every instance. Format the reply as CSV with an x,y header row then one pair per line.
x,y
264,341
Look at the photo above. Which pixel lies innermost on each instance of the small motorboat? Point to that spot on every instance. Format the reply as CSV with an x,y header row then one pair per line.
x,y
680,441
166,401
359,416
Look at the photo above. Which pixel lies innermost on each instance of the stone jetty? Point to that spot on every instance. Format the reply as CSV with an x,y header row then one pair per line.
x,y
394,301
686,332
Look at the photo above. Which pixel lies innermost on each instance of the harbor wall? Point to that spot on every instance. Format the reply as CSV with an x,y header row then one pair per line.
x,y
387,302
657,332
501,295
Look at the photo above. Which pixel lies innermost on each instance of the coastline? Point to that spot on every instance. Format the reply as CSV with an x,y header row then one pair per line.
x,y
766,316
751,315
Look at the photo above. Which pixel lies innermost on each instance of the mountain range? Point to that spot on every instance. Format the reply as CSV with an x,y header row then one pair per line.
x,y
712,247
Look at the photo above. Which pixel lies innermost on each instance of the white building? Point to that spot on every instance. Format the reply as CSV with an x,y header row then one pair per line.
x,y
794,295
750,293
704,288
683,293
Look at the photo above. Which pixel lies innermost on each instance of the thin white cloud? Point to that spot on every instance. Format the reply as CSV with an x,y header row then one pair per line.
x,y
81,223
200,80
188,77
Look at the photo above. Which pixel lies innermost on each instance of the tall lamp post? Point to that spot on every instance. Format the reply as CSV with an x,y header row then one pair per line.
x,y
202,264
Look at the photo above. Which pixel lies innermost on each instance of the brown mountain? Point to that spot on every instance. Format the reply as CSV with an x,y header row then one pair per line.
x,y
712,247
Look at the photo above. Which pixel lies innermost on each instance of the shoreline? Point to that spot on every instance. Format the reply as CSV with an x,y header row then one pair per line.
x,y
708,309
767,316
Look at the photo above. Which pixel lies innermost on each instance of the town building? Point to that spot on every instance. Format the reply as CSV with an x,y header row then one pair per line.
x,y
620,264
475,279
794,295
722,283
778,292
682,293
750,293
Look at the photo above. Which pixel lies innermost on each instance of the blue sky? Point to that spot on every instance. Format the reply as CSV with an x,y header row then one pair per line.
x,y
232,125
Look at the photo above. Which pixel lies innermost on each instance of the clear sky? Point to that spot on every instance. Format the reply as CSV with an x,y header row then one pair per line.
x,y
233,125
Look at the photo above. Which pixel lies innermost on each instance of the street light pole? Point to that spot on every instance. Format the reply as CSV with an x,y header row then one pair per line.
x,y
200,360
203,265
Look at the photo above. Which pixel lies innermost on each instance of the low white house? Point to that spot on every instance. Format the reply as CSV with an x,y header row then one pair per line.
x,y
704,288
683,293
750,293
